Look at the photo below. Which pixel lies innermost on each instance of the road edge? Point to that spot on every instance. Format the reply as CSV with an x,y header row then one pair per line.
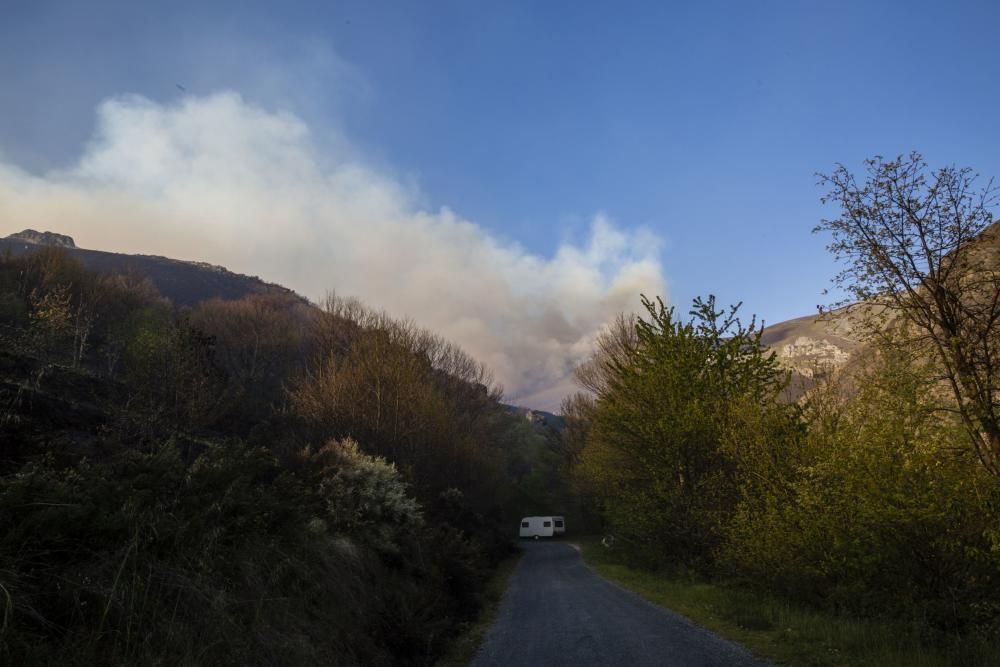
x,y
466,645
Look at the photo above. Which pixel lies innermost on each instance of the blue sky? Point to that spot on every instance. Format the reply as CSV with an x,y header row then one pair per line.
x,y
703,123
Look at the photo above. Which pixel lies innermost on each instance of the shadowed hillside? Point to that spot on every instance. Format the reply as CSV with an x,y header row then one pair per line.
x,y
184,283
255,480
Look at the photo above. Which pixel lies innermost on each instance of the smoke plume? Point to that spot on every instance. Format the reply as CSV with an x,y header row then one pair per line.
x,y
220,180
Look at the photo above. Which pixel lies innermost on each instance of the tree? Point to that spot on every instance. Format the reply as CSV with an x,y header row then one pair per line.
x,y
919,248
259,341
654,457
51,314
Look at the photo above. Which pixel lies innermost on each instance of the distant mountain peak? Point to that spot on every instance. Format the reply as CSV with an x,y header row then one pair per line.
x,y
43,238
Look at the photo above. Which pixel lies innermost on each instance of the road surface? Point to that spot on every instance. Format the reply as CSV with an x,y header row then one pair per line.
x,y
557,612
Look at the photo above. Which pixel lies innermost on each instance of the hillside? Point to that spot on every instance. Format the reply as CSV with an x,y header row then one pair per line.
x,y
816,344
183,282
812,346
224,476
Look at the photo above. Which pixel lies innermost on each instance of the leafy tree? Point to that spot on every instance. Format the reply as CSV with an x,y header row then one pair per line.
x,y
654,455
920,252
169,368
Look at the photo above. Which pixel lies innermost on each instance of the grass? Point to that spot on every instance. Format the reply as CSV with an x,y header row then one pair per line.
x,y
465,646
782,631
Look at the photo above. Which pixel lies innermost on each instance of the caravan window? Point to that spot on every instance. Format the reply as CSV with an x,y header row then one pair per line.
x,y
547,524
559,524
524,524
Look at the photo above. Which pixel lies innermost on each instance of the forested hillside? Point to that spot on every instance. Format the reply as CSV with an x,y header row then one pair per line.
x,y
249,481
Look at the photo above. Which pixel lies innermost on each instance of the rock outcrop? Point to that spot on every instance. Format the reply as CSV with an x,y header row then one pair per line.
x,y
43,238
813,346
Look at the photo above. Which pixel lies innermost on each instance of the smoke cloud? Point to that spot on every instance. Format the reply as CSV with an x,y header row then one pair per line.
x,y
220,180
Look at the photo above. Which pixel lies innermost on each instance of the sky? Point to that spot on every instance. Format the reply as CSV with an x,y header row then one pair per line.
x,y
509,174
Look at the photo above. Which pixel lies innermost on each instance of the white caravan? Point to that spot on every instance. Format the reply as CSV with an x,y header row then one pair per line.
x,y
542,526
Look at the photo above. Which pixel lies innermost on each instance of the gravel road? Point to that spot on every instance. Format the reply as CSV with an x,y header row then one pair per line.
x,y
557,611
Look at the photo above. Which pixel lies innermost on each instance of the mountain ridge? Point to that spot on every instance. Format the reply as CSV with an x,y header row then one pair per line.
x,y
816,345
185,282
810,347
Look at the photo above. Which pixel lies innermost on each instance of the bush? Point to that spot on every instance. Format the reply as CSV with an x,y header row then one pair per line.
x,y
228,559
885,516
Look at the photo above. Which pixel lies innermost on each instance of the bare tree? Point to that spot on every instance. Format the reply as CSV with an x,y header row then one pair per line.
x,y
443,355
611,347
923,259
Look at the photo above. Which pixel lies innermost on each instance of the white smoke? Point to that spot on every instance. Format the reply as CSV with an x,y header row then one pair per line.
x,y
219,180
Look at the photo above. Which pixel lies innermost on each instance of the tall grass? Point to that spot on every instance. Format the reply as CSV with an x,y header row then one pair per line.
x,y
790,633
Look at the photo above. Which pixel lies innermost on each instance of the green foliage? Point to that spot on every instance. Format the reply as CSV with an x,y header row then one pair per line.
x,y
882,514
109,551
169,368
861,499
788,632
655,455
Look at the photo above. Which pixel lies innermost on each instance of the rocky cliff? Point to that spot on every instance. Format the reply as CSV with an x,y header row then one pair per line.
x,y
43,238
814,346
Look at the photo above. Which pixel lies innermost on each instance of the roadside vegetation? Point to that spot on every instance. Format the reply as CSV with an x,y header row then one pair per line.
x,y
259,481
783,630
862,519
463,650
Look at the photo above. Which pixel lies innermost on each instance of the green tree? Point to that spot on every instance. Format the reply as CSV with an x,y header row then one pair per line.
x,y
654,455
